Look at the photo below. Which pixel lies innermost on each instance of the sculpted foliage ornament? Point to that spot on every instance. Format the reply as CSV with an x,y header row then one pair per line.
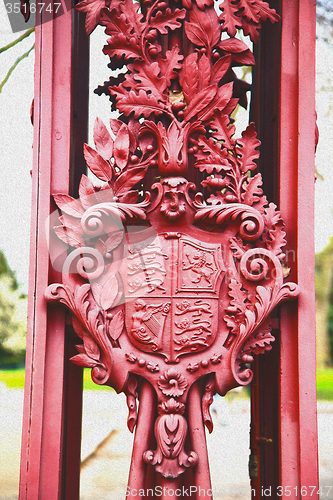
x,y
169,288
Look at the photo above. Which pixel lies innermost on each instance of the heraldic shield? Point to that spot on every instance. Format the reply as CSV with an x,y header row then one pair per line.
x,y
170,289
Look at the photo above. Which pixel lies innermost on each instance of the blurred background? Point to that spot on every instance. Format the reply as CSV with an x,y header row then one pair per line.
x,y
106,443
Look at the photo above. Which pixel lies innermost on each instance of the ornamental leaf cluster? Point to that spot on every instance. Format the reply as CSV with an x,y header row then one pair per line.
x,y
176,89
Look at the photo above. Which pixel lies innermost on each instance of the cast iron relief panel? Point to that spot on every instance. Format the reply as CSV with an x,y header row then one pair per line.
x,y
171,285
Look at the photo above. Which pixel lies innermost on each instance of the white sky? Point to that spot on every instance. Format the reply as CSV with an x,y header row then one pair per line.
x,y
324,156
16,135
15,151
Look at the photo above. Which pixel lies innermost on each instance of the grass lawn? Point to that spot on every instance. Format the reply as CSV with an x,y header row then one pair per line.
x,y
15,379
325,384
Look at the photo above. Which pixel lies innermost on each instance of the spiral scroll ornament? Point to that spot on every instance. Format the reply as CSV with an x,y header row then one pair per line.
x,y
85,261
259,263
252,224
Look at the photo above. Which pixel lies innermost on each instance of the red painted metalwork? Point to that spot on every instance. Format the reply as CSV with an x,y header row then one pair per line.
x,y
298,422
171,291
285,392
173,287
53,389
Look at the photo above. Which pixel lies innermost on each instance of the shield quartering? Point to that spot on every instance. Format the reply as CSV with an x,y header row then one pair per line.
x,y
171,291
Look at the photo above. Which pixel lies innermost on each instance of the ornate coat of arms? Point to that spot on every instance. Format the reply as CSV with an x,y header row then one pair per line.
x,y
171,289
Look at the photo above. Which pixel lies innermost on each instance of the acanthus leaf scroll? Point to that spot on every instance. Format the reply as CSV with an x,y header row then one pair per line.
x,y
172,286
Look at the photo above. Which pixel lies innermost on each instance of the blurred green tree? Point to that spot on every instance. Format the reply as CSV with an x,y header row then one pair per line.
x,y
324,306
12,317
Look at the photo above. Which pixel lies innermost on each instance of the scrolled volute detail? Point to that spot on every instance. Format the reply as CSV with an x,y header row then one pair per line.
x,y
251,227
257,264
92,220
89,323
86,261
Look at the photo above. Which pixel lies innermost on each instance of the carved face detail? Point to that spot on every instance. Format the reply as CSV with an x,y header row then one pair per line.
x,y
173,202
172,205
139,304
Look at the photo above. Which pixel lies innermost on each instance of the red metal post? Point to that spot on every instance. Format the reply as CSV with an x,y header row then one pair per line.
x,y
47,441
298,419
220,250
284,407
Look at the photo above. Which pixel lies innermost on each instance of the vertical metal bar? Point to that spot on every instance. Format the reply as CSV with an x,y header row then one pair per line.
x,y
74,373
41,384
142,439
265,391
198,443
46,439
298,419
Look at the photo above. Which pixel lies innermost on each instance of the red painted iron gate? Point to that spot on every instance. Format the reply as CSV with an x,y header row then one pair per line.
x,y
186,285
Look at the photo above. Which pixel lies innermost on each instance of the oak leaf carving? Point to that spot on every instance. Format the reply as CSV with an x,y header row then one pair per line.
x,y
262,9
223,130
252,190
93,10
134,17
167,19
238,303
211,156
140,104
251,29
203,3
148,78
229,18
246,149
171,63
260,341
274,236
250,10
115,23
232,323
120,45
236,244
